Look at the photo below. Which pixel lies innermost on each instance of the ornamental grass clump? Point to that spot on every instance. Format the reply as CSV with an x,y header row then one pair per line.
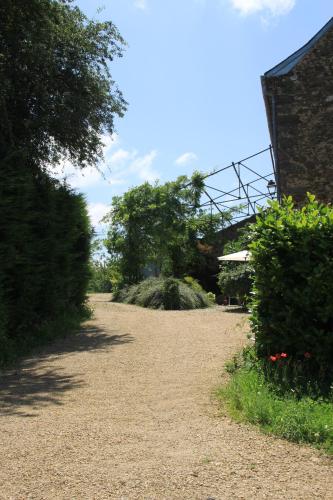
x,y
163,293
292,305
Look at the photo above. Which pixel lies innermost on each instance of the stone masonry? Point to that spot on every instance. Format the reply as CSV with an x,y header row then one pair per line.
x,y
299,104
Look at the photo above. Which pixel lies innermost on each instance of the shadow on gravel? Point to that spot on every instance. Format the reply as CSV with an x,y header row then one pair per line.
x,y
36,383
87,339
235,309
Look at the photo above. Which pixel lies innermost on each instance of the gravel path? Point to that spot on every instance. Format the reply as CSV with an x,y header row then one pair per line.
x,y
124,410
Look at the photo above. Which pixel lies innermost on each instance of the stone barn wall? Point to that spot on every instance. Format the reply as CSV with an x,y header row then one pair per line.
x,y
300,114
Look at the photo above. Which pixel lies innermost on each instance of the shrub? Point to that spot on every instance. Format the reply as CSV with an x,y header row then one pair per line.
x,y
235,280
211,297
162,293
292,256
193,283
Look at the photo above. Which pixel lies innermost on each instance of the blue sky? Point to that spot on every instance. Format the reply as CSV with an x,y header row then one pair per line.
x,y
191,74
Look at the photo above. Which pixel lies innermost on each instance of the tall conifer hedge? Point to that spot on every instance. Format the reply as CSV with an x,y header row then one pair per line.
x,y
44,252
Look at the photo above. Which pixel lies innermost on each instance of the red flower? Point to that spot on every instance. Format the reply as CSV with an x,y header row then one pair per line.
x,y
272,358
284,355
307,355
278,356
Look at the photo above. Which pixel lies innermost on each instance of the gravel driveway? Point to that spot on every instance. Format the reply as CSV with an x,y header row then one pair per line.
x,y
124,410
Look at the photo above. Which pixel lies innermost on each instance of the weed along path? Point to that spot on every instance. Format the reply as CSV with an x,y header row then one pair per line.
x,y
124,410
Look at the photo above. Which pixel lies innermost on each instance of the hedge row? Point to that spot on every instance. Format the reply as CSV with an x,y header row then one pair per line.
x,y
292,256
44,252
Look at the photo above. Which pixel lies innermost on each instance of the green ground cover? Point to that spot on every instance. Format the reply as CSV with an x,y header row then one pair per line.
x,y
248,397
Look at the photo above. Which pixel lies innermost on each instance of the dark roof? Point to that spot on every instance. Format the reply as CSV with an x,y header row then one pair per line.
x,y
288,64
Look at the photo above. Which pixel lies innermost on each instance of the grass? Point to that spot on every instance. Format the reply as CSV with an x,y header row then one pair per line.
x,y
151,293
249,398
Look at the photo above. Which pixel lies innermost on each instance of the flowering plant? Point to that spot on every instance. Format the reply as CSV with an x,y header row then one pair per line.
x,y
278,356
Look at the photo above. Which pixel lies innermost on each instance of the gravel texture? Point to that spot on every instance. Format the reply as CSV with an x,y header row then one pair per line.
x,y
124,410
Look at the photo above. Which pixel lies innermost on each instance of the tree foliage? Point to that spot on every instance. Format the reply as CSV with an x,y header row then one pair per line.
x,y
100,277
56,96
100,271
158,229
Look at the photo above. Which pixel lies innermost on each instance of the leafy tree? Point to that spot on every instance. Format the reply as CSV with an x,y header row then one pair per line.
x,y
160,227
100,273
204,237
56,96
100,277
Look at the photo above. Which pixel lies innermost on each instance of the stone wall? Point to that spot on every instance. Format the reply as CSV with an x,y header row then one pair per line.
x,y
301,106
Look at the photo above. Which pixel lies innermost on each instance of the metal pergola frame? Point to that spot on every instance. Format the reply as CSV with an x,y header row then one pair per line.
x,y
245,198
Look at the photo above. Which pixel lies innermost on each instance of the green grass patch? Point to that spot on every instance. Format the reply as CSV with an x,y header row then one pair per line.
x,y
249,398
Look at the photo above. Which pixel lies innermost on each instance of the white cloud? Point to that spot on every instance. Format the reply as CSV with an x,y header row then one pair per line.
x,y
271,7
97,211
119,157
141,4
76,178
120,167
109,142
142,167
186,158
88,176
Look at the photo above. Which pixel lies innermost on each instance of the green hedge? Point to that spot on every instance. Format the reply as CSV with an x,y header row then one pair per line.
x,y
44,252
292,256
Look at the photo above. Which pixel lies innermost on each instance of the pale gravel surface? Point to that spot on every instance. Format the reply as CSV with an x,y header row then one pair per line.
x,y
124,411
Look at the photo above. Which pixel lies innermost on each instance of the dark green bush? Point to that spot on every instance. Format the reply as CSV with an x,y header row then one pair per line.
x,y
163,293
44,252
235,280
292,256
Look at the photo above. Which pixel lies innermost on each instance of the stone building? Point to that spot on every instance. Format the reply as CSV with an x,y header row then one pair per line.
x,y
298,95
